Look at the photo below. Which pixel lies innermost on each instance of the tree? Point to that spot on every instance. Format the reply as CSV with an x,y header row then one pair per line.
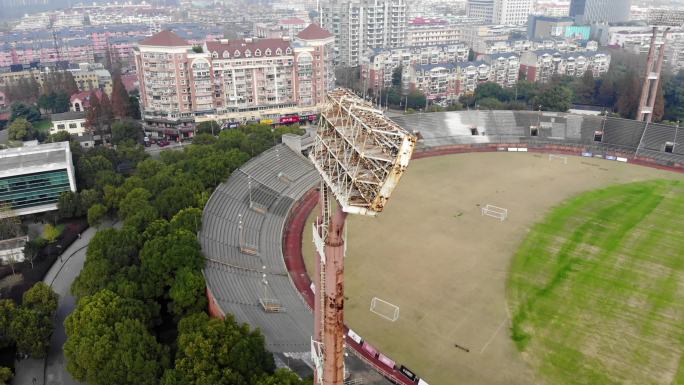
x,y
490,103
121,102
126,130
21,110
50,233
109,342
659,105
19,129
32,249
99,115
31,330
96,213
556,98
585,88
134,202
187,293
89,166
174,199
396,76
61,136
628,91
7,310
86,199
162,257
416,99
492,90
10,224
282,377
41,298
5,375
208,127
189,219
606,92
218,351
67,205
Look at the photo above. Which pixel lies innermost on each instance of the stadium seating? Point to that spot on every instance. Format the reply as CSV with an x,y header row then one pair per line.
x,y
277,178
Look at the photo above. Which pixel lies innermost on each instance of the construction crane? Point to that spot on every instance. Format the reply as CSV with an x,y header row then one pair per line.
x,y
361,155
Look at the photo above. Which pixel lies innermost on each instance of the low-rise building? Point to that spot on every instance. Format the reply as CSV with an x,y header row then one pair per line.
x,y
92,77
540,66
80,102
72,122
32,177
289,27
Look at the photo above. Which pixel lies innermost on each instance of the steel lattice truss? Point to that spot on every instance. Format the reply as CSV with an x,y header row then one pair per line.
x,y
359,152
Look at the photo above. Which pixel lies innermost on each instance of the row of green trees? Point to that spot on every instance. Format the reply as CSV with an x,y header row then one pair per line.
x,y
142,316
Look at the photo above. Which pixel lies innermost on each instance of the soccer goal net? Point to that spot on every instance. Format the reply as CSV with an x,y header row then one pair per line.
x,y
384,309
558,158
499,213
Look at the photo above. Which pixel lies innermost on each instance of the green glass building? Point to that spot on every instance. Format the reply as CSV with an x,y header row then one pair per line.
x,y
33,177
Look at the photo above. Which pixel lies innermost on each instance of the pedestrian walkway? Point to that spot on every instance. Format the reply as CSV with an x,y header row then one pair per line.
x,y
52,370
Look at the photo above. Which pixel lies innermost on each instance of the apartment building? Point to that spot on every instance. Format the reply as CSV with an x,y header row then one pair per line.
x,y
232,80
511,12
523,45
481,9
604,11
377,69
432,35
360,25
92,77
289,27
540,66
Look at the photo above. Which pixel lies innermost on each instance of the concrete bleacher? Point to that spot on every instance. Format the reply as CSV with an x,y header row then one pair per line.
x,y
235,278
622,135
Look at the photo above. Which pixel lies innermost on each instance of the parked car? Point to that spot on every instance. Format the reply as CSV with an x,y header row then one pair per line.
x,y
163,143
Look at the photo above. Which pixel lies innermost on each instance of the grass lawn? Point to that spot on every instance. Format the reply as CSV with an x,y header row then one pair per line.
x,y
43,125
596,290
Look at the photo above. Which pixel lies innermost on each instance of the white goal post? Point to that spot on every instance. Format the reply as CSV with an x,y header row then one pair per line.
x,y
562,158
384,309
499,213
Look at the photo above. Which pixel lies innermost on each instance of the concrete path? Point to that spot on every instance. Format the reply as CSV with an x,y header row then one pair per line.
x,y
52,371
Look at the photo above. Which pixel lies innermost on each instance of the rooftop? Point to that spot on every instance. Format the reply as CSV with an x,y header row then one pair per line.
x,y
32,159
69,115
314,32
164,38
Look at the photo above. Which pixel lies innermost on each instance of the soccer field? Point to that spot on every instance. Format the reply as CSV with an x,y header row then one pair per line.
x,y
433,254
596,290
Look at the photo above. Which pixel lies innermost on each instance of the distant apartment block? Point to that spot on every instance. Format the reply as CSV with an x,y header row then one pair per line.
x,y
231,80
453,80
360,25
92,77
663,16
541,66
600,11
432,35
377,70
481,9
511,12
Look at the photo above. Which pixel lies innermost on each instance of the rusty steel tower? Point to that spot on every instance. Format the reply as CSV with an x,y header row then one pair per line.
x,y
649,89
360,155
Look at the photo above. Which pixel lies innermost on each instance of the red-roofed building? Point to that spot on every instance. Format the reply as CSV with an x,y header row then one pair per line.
x,y
232,80
81,101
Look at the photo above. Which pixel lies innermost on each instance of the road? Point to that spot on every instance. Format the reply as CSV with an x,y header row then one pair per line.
x,y
52,371
155,150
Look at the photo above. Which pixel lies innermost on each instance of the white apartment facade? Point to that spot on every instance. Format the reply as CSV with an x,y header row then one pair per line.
x,y
360,25
541,66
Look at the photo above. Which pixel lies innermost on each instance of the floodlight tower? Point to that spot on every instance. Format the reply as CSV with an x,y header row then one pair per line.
x,y
360,155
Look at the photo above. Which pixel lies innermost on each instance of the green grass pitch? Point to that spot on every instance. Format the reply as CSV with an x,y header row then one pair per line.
x,y
596,290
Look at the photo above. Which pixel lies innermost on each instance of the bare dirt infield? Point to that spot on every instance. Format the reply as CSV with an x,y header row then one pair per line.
x,y
432,254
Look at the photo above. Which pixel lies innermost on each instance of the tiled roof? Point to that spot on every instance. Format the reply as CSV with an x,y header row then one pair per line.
x,y
69,115
314,32
164,38
265,47
292,21
84,97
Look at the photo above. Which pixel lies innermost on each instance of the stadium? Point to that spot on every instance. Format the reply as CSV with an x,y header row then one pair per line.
x,y
520,247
